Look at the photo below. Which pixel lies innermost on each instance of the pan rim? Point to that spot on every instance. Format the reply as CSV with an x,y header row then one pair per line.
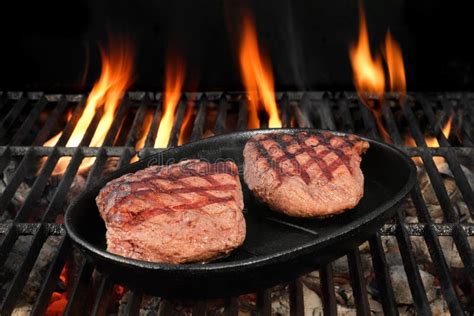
x,y
258,260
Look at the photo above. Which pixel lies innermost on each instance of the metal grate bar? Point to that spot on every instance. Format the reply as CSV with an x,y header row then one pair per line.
x,y
302,118
264,302
180,111
11,117
359,287
49,282
133,134
344,112
369,121
53,117
232,306
284,106
59,196
154,124
327,287
243,114
21,276
71,124
384,283
198,126
327,119
417,288
391,124
296,298
220,126
20,173
7,243
134,303
442,270
27,124
37,188
103,295
79,288
378,256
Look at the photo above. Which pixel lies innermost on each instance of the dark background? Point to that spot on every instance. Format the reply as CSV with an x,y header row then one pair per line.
x,y
46,45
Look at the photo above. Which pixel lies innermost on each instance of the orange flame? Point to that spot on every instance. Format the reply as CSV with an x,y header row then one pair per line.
x,y
396,70
185,126
369,75
368,71
117,68
257,76
174,79
432,141
58,301
143,132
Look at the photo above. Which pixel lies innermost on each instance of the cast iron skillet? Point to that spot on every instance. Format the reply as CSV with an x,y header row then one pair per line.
x,y
277,248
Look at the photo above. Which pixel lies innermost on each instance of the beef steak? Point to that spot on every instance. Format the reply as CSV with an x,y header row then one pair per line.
x,y
305,174
185,212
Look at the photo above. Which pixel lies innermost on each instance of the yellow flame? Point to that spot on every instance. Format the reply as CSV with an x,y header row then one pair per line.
x,y
368,71
143,132
174,79
396,69
185,126
432,141
115,78
257,76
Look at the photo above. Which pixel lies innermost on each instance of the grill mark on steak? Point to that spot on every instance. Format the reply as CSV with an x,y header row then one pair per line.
x,y
326,141
199,205
292,157
318,158
140,217
178,192
315,158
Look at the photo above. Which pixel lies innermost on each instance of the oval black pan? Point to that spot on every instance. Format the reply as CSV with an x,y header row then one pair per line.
x,y
277,248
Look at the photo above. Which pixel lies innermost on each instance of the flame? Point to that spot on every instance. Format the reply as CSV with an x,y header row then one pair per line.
x,y
143,133
257,76
396,70
369,75
117,68
58,301
368,71
174,79
185,126
432,141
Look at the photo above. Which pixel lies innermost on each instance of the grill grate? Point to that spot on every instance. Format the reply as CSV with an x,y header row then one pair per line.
x,y
29,119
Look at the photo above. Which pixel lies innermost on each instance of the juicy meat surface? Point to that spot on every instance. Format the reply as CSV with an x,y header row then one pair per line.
x,y
186,212
305,174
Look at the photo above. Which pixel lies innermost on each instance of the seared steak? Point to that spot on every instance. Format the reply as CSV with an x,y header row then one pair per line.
x,y
305,174
186,212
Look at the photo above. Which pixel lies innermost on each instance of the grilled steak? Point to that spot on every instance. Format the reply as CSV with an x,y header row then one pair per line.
x,y
305,174
186,212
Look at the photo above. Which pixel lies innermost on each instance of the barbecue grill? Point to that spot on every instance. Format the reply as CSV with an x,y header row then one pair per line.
x,y
30,119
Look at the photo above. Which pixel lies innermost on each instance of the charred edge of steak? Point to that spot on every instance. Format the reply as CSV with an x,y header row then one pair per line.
x,y
283,141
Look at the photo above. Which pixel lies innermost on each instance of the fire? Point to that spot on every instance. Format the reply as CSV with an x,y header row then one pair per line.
x,y
174,79
369,74
143,133
432,141
396,70
368,71
185,126
59,300
115,78
257,76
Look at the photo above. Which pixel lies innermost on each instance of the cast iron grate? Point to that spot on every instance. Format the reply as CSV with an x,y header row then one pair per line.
x,y
30,119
